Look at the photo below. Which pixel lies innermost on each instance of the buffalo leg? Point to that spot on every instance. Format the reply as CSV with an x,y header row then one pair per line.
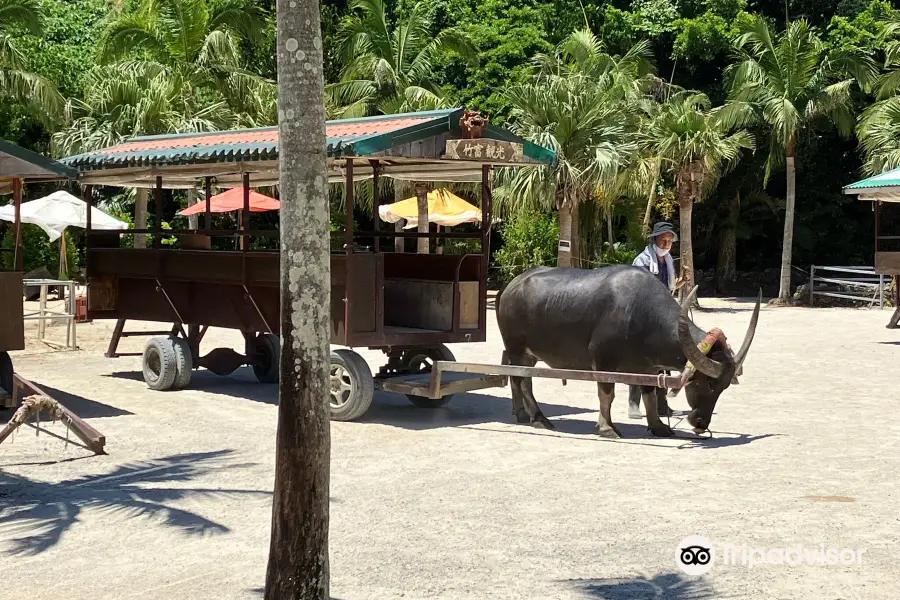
x,y
662,404
657,427
525,407
518,406
634,402
605,427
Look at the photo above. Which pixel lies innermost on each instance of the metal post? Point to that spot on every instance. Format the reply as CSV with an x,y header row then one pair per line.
x,y
87,197
348,247
73,310
17,200
812,282
157,226
42,309
207,184
245,213
486,208
877,222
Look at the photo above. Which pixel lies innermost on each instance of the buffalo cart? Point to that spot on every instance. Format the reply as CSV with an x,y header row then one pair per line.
x,y
884,193
408,305
18,167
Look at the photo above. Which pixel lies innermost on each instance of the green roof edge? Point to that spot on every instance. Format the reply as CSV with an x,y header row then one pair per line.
x,y
39,160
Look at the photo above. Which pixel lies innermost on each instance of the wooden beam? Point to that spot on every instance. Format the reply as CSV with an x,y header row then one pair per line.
x,y
39,401
662,381
245,213
157,236
17,201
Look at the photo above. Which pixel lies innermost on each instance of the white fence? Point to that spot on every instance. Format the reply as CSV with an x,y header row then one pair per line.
x,y
851,283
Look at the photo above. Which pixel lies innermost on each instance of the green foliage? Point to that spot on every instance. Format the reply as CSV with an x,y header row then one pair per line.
x,y
529,240
63,50
507,38
619,253
38,251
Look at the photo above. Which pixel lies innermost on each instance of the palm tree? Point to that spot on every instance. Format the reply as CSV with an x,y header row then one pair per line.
x,y
393,66
124,100
16,81
139,98
879,125
196,43
786,83
580,103
695,145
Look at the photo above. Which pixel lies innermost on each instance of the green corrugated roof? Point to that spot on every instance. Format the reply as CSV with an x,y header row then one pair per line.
x,y
887,179
28,164
344,137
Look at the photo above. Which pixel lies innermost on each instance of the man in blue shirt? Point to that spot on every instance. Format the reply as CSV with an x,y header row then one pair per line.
x,y
657,259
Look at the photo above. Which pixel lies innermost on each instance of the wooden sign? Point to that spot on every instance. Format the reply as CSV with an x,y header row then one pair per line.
x,y
485,150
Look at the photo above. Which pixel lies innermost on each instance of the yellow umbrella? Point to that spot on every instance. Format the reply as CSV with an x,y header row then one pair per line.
x,y
444,208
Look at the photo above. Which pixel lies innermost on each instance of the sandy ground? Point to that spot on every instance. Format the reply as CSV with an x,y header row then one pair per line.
x,y
459,502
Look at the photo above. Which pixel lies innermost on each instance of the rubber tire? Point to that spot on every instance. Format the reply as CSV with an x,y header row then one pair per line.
x,y
361,380
6,374
269,346
440,352
168,363
184,362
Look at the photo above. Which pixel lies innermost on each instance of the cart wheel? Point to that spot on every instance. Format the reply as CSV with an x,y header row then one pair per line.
x,y
352,385
160,363
6,375
268,351
184,362
420,360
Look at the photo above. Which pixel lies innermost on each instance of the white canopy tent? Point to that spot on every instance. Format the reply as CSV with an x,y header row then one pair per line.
x,y
57,211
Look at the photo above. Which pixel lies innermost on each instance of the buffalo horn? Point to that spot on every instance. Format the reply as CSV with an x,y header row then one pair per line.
x,y
748,338
701,362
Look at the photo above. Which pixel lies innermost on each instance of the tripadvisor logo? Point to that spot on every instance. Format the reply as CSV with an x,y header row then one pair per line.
x,y
696,555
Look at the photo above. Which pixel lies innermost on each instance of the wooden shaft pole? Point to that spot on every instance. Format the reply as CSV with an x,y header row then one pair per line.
x,y
17,199
157,226
207,185
245,214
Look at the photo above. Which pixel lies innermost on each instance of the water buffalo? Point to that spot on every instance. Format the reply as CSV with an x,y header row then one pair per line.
x,y
618,318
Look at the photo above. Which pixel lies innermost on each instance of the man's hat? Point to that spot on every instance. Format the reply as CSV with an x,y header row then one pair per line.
x,y
661,228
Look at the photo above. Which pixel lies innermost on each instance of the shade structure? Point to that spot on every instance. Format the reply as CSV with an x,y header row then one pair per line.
x,y
231,200
444,208
59,210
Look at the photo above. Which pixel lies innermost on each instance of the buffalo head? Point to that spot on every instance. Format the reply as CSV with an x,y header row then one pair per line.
x,y
713,372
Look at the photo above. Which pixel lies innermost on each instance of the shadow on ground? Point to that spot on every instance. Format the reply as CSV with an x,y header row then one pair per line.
x,y
464,409
261,591
633,434
666,586
34,515
81,406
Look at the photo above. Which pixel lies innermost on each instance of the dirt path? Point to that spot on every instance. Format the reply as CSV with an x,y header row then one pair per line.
x,y
459,502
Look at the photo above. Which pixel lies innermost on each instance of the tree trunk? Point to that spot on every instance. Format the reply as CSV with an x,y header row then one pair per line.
x,y
685,212
784,291
298,566
651,201
609,229
577,247
423,245
399,242
193,220
140,215
564,252
726,265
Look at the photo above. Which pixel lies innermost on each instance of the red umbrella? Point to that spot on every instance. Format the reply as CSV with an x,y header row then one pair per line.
x,y
231,200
